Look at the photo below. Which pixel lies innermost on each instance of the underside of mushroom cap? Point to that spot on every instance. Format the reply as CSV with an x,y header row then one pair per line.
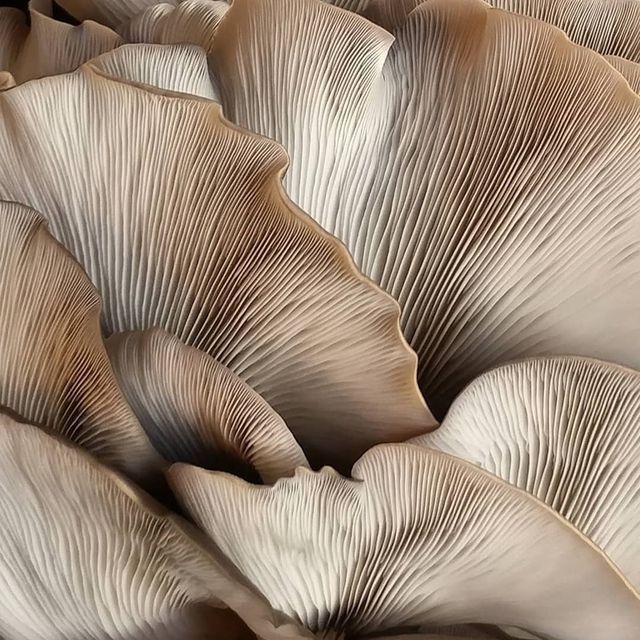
x,y
195,410
54,369
181,222
180,68
46,46
476,168
565,430
417,537
85,554
109,12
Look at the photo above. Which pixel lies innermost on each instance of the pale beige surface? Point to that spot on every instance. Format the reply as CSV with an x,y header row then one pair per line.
x,y
181,222
47,46
196,410
54,369
477,167
565,430
417,537
88,555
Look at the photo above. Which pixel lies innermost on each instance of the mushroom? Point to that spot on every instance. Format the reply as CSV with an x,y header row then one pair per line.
x,y
54,370
195,410
611,27
476,166
417,537
193,21
564,429
85,554
181,222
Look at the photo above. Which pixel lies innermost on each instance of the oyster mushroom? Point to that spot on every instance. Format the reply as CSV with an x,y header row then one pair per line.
x,y
476,166
193,21
565,430
195,410
181,222
54,369
87,555
417,537
611,27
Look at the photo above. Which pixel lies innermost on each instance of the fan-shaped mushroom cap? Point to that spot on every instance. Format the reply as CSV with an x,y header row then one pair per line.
x,y
193,21
566,431
87,555
196,410
476,167
180,220
48,47
611,27
54,369
417,537
179,68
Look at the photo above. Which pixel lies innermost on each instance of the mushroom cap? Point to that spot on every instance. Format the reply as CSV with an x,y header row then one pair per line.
x,y
417,537
564,429
180,69
181,222
193,21
195,410
109,12
47,47
54,369
610,27
476,167
86,554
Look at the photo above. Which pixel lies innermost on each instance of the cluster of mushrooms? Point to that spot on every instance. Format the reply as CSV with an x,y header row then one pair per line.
x,y
320,320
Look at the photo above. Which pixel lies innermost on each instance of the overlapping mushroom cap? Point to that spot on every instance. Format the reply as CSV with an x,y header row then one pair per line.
x,y
476,166
566,431
111,13
479,166
196,410
193,21
417,537
610,27
54,369
181,222
86,555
